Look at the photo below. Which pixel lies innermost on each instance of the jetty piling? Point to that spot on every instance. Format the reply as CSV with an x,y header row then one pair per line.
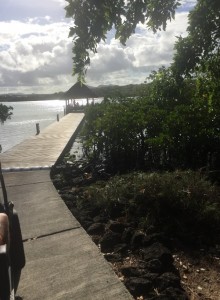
x,y
37,128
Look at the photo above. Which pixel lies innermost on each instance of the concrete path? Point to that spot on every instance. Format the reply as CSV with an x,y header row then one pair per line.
x,y
62,262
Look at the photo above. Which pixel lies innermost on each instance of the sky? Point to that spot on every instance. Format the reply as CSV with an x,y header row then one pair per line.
x,y
36,53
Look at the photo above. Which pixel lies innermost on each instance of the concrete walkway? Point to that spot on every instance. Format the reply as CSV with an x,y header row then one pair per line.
x,y
62,262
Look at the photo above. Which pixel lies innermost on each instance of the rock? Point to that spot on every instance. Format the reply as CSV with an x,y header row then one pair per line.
x,y
116,227
113,257
155,266
214,176
96,239
100,219
127,235
157,251
120,248
162,297
156,237
96,228
86,223
172,293
138,286
90,211
58,183
131,271
116,210
67,196
167,280
137,239
109,241
84,220
78,181
150,276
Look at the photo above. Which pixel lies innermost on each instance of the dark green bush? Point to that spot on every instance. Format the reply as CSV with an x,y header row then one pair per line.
x,y
181,204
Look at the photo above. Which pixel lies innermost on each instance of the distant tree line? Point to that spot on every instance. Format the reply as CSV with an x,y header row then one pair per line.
x,y
130,90
101,91
30,97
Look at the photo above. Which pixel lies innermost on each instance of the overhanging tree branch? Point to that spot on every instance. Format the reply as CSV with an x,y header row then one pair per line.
x,y
93,19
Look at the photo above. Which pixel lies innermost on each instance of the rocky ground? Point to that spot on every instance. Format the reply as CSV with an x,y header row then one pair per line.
x,y
152,266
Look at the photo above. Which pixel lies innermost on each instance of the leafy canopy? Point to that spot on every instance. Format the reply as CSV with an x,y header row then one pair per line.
x,y
94,18
203,40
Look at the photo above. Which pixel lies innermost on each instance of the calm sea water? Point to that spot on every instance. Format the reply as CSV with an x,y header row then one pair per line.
x,y
25,116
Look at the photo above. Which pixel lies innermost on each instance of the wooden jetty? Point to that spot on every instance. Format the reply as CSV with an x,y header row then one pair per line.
x,y
44,149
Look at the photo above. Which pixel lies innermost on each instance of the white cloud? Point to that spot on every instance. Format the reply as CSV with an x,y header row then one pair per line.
x,y
36,53
143,53
24,9
188,3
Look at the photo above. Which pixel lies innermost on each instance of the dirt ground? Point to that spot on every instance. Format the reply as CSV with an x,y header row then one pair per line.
x,y
200,273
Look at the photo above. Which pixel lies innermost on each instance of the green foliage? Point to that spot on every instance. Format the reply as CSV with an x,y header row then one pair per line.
x,y
192,123
203,37
93,19
5,112
176,125
130,90
181,204
166,91
118,129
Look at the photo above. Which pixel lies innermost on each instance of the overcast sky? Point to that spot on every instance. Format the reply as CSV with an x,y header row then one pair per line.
x,y
35,51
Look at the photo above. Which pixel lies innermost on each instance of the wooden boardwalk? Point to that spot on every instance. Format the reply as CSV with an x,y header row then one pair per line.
x,y
62,262
43,150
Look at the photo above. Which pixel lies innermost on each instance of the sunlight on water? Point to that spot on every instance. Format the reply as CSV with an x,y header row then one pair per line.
x,y
24,119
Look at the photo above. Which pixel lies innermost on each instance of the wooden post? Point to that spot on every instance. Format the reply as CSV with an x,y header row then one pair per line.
x,y
58,118
65,111
37,128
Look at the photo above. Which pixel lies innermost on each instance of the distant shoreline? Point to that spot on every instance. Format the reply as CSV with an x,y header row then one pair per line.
x,y
31,97
131,90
